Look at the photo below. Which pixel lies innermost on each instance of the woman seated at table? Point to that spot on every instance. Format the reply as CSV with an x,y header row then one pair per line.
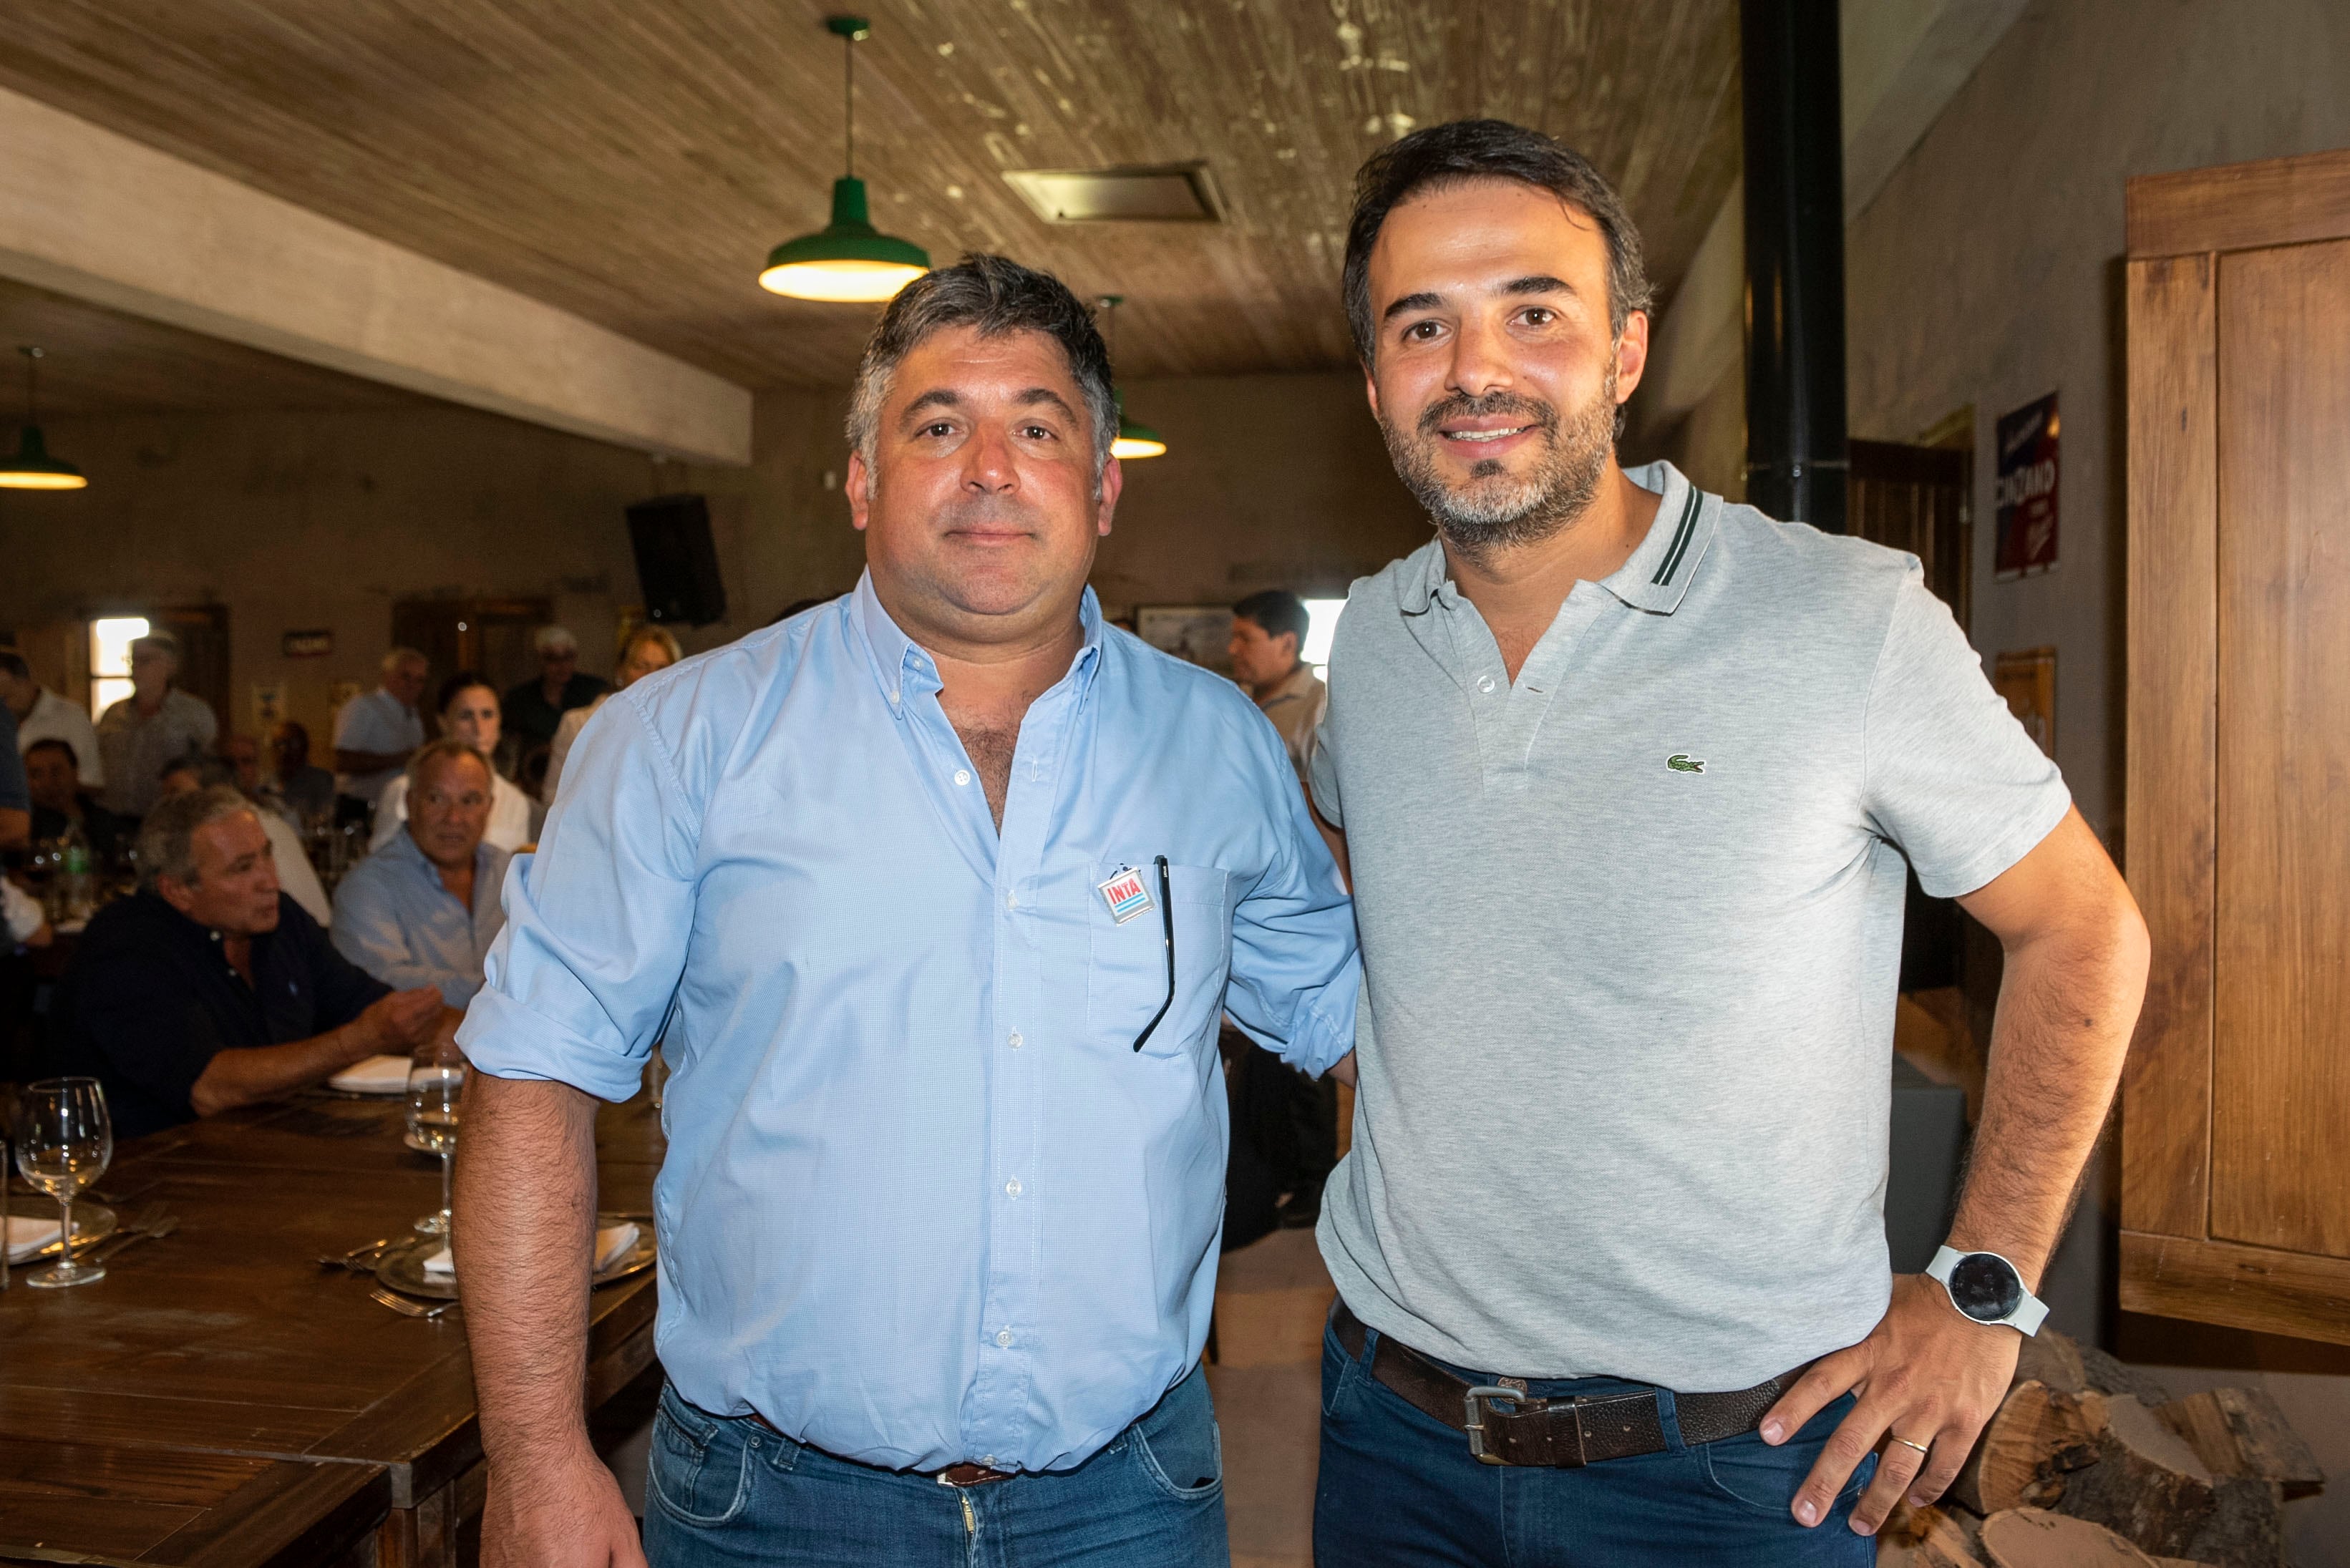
x,y
209,989
648,647
468,712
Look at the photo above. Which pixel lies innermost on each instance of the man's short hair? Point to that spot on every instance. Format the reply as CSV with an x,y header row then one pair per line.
x,y
993,295
554,639
399,656
54,743
432,750
210,769
161,642
1486,148
1277,610
167,836
13,663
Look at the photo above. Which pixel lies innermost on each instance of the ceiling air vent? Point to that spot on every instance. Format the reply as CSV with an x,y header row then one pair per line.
x,y
1164,193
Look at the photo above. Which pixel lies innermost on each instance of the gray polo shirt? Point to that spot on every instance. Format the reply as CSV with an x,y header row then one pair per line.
x,y
1631,933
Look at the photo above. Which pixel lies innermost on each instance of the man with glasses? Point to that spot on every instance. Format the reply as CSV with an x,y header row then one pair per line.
x,y
1628,775
933,896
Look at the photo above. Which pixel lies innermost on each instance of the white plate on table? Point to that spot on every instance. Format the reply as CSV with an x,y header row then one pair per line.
x,y
93,1223
375,1076
402,1267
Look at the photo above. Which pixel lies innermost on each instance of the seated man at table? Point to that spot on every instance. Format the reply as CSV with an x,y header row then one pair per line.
x,y
52,777
424,908
295,876
209,988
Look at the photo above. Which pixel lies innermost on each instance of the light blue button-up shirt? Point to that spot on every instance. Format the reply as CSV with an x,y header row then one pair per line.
x,y
923,1203
397,919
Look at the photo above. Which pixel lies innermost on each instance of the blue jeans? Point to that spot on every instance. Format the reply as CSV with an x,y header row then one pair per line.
x,y
724,1491
1398,1487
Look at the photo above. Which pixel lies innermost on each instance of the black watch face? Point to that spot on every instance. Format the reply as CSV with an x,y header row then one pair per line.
x,y
1984,1287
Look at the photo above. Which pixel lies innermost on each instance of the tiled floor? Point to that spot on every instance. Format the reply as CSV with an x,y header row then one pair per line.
x,y
1271,1299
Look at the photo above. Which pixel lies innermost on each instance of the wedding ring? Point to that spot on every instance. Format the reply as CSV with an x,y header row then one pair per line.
x,y
1906,1443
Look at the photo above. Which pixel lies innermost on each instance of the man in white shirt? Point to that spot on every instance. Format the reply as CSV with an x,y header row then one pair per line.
x,y
43,715
376,733
157,723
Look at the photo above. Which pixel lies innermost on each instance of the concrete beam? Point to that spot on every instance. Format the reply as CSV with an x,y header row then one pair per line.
x,y
1904,60
87,213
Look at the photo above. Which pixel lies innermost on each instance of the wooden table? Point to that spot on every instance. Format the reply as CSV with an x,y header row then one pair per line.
x,y
225,1341
192,1510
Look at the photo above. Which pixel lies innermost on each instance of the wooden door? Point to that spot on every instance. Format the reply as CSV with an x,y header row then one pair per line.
x,y
492,635
2236,1103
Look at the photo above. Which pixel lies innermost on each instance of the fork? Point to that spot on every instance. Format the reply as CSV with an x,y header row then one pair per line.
x,y
405,1307
122,1242
360,1260
146,1218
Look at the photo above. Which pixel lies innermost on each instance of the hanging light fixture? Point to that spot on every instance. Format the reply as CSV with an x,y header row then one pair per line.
x,y
32,468
848,259
1134,441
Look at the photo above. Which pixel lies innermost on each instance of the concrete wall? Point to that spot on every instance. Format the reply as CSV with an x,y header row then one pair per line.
x,y
304,520
1988,272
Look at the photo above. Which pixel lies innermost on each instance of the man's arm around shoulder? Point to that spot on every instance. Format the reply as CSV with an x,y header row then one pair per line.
x,y
525,1223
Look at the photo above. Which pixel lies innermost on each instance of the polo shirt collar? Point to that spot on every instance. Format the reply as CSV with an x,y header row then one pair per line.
x,y
1654,579
905,669
1660,572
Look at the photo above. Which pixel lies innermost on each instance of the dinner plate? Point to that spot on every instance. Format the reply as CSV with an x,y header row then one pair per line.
x,y
402,1267
93,1223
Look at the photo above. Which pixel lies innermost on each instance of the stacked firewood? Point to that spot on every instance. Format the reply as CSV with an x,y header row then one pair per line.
x,y
2089,1464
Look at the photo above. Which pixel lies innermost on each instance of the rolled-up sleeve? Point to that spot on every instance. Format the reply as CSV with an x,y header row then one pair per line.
x,y
596,922
1296,972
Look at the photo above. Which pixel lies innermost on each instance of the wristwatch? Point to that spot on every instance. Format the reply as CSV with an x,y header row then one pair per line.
x,y
1986,1288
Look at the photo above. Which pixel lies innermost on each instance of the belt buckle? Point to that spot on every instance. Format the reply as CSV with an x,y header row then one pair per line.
x,y
1484,1394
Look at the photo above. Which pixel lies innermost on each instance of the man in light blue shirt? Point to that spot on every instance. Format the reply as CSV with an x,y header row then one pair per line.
x,y
933,897
424,908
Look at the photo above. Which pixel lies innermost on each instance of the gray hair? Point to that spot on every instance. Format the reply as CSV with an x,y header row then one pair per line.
x,y
554,639
446,746
167,838
399,656
995,296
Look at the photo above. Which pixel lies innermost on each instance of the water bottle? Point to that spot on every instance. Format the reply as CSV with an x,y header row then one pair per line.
x,y
80,884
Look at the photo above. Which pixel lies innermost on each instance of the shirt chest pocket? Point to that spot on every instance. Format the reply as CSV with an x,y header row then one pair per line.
x,y
1127,972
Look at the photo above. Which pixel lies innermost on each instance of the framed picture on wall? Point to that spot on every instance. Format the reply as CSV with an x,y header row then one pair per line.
x,y
1197,634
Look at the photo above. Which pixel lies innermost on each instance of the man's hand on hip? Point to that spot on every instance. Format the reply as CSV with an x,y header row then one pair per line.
x,y
564,1514
1926,1376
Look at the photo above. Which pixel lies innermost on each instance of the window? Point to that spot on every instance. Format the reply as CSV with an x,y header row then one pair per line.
x,y
1321,620
109,660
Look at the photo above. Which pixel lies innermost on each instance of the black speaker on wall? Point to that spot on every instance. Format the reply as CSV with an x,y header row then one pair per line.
x,y
677,563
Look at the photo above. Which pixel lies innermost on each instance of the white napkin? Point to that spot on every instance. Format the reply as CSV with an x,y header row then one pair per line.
x,y
610,1244
375,1076
27,1235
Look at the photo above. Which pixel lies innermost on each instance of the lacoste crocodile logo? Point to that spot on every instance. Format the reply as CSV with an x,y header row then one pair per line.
x,y
1682,762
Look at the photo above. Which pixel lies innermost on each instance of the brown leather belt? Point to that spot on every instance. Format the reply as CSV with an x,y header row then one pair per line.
x,y
965,1474
1505,1426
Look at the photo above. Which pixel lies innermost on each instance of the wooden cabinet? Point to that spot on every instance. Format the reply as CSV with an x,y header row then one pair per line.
x,y
2236,1104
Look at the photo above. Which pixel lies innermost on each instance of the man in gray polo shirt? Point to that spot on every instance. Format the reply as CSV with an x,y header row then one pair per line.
x,y
1628,775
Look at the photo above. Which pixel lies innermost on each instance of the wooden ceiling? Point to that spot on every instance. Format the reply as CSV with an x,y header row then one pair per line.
x,y
634,160
102,361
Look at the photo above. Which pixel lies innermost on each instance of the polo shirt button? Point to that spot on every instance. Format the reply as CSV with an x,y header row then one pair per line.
x,y
1017,1041
1012,1188
1003,1338
1485,683
962,775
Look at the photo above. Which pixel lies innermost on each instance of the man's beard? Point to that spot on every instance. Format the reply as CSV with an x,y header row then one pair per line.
x,y
1494,511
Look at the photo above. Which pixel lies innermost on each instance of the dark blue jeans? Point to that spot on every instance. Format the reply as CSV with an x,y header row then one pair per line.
x,y
1399,1488
727,1491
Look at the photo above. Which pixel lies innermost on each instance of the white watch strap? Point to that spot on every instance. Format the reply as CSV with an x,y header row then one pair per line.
x,y
2029,1313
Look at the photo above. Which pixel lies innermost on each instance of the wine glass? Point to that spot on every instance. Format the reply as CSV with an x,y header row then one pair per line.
x,y
435,1091
64,1141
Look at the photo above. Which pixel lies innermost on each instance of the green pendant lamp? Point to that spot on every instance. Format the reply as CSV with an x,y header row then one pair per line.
x,y
848,260
1134,440
32,468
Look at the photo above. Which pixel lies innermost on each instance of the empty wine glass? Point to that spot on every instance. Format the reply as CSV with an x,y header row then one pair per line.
x,y
64,1142
435,1091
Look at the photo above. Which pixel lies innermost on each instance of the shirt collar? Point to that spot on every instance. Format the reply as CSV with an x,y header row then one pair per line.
x,y
1654,578
904,668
